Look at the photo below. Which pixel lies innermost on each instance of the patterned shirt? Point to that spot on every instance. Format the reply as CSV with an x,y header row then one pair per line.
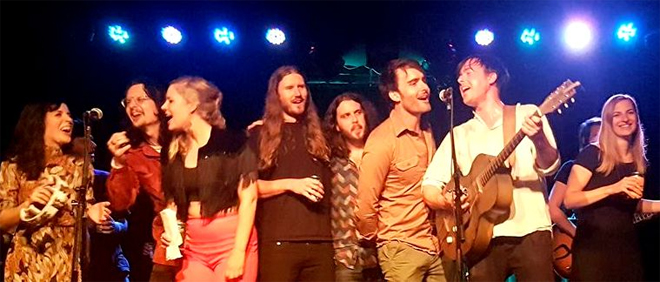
x,y
344,193
42,250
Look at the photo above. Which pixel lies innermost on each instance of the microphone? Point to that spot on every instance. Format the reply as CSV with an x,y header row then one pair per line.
x,y
94,114
446,94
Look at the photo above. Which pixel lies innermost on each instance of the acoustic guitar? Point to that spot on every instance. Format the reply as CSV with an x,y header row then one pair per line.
x,y
490,190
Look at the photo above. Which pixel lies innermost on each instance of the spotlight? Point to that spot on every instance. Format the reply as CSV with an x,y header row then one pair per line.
x,y
171,35
530,36
626,32
223,35
484,37
275,36
118,34
577,35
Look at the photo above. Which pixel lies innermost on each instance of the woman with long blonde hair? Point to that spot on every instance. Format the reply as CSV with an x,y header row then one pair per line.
x,y
605,187
210,179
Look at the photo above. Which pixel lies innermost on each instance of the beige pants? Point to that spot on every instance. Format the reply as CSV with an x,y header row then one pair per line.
x,y
402,263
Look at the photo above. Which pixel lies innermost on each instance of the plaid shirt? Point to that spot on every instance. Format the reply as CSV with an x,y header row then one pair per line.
x,y
343,199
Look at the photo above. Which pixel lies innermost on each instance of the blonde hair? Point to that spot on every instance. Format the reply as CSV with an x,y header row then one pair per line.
x,y
607,139
195,89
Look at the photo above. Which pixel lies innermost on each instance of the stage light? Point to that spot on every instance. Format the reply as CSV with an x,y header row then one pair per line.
x,y
484,37
626,32
171,35
224,35
275,36
577,35
530,36
118,34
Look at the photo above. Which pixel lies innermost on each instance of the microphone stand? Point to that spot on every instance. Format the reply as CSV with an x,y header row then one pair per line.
x,y
79,249
463,270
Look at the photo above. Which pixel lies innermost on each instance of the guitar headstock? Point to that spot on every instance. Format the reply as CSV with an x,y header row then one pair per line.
x,y
562,95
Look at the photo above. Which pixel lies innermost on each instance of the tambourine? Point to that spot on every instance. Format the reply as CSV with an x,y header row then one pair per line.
x,y
34,214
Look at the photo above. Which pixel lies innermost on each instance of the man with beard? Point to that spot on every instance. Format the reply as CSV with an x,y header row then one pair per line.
x,y
293,212
391,209
134,185
347,123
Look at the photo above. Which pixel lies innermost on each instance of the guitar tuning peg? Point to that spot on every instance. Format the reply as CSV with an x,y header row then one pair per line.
x,y
572,100
565,105
559,111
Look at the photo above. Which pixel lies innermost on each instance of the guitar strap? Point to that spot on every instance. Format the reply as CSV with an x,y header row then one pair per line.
x,y
509,126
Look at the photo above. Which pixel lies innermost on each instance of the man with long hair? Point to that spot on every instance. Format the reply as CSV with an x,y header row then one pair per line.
x,y
347,123
521,244
134,185
293,214
391,210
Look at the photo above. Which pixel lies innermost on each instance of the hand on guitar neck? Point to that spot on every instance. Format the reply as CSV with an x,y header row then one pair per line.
x,y
532,126
490,190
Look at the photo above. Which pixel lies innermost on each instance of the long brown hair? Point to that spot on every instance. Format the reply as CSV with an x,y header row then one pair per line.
x,y
197,89
607,138
335,139
271,132
27,147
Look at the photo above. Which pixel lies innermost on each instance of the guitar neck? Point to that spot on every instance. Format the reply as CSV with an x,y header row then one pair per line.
x,y
501,158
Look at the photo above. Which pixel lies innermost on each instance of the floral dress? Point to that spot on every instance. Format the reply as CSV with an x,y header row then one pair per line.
x,y
42,250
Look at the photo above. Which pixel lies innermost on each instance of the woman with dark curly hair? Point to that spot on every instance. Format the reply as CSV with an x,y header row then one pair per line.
x,y
37,191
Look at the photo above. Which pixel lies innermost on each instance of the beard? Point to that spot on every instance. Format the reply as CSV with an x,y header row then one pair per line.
x,y
295,110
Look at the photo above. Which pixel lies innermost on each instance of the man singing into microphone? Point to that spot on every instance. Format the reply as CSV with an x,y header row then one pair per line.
x,y
390,209
521,245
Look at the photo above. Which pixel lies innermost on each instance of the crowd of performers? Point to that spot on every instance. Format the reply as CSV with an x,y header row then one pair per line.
x,y
303,197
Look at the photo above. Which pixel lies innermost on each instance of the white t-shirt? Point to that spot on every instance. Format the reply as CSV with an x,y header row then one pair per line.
x,y
530,210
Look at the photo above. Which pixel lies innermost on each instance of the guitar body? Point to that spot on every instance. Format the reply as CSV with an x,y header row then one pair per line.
x,y
489,205
562,254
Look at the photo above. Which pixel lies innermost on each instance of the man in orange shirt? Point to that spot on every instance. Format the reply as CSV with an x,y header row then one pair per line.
x,y
391,210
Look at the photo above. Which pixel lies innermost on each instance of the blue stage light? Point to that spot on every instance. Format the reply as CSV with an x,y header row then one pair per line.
x,y
530,36
172,35
118,34
224,35
484,37
626,32
275,36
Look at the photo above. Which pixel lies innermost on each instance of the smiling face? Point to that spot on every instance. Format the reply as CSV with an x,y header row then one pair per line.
x,y
412,91
58,127
624,119
140,108
292,93
474,82
177,109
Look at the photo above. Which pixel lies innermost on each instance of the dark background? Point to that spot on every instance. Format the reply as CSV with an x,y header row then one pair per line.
x,y
61,51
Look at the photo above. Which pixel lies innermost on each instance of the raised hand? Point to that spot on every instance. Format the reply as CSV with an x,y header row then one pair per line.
x,y
118,146
532,126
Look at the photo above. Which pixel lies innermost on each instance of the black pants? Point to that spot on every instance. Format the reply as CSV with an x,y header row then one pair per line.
x,y
528,257
296,261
